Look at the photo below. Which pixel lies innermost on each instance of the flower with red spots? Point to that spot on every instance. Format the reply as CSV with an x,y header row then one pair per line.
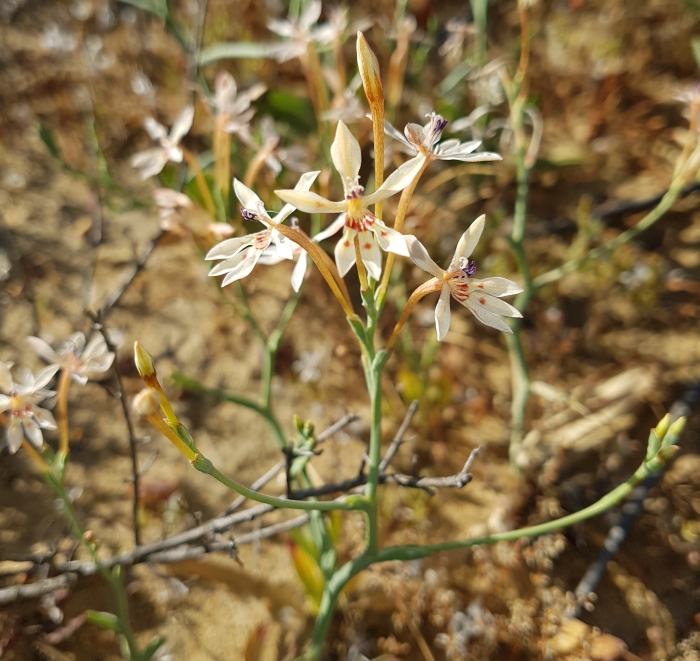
x,y
481,297
359,223
242,253
20,403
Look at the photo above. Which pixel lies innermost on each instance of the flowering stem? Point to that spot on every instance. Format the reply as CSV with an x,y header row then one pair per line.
x,y
62,410
404,204
361,270
254,167
204,191
317,87
222,160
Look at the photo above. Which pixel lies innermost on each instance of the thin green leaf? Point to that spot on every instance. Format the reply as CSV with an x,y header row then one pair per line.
x,y
157,7
103,620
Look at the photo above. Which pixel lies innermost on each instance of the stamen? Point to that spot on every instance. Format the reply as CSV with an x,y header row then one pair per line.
x,y
468,266
250,215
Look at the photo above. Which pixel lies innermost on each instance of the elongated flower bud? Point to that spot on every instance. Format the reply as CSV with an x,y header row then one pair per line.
x,y
144,363
369,71
147,402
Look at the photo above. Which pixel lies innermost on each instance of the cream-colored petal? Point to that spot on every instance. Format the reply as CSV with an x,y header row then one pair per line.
x,y
389,239
491,303
229,247
495,286
310,202
33,432
468,241
346,155
44,376
155,129
304,184
442,314
488,318
421,258
243,269
43,350
332,229
14,436
299,271
182,124
345,252
371,255
230,264
247,197
397,180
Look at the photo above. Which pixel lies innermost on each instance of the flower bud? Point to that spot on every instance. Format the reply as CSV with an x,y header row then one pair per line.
x,y
146,402
369,72
662,427
677,427
144,363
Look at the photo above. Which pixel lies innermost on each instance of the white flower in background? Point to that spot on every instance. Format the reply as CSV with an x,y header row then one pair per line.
x,y
300,32
73,356
152,161
453,46
242,253
481,297
276,156
20,401
232,108
358,221
425,141
170,202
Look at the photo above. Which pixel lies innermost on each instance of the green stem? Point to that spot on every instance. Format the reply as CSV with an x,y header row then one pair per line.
x,y
354,503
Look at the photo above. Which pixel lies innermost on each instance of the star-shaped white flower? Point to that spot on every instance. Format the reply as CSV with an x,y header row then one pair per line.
x,y
242,253
358,221
83,362
481,297
300,32
152,161
232,108
425,140
20,402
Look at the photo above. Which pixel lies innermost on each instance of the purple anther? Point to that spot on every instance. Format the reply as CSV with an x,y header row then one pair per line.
x,y
470,268
249,215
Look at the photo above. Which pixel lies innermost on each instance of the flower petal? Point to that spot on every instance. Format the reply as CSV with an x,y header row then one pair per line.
x,y
421,258
310,202
244,268
247,197
14,436
310,15
281,27
225,91
468,241
332,229
304,184
229,247
455,147
345,252
496,286
182,124
77,342
96,347
389,239
488,318
155,129
370,253
44,418
299,272
4,403
492,304
150,162
43,350
33,432
230,264
397,135
44,376
442,314
397,181
346,156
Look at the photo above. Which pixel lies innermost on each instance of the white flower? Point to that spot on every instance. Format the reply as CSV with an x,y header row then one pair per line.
x,y
232,108
358,221
242,253
481,297
152,161
425,140
299,32
275,156
20,401
170,202
83,362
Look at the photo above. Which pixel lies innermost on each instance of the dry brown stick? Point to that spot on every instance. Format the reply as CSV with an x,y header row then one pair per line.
x,y
34,590
280,465
398,439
